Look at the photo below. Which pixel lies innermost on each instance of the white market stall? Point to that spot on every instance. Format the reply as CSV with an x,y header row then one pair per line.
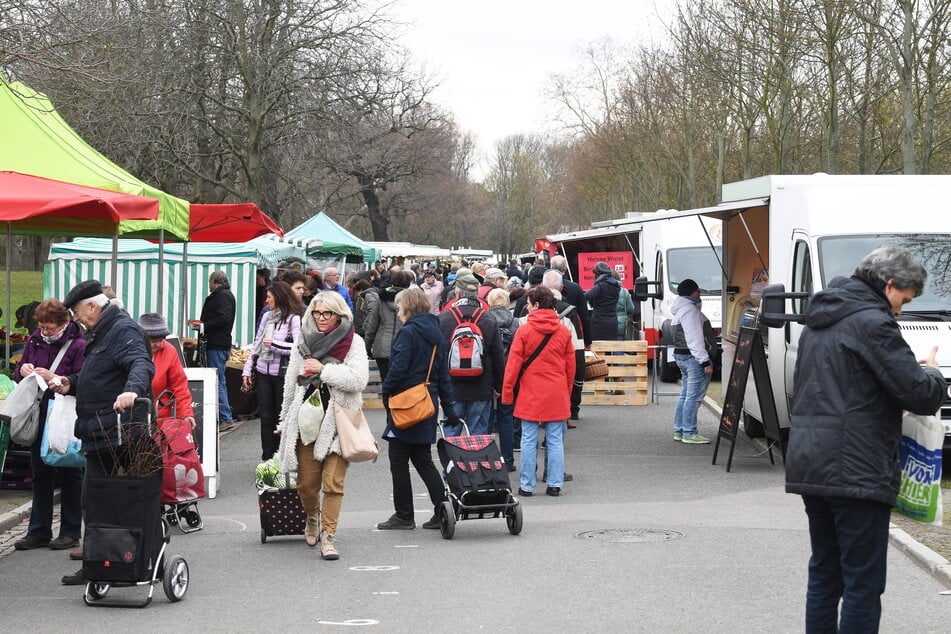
x,y
138,274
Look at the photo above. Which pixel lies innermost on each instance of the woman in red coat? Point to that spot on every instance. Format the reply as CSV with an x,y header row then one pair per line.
x,y
541,367
169,373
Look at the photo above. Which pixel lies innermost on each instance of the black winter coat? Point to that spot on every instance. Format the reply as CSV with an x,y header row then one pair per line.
x,y
603,299
118,359
854,376
409,360
218,313
574,295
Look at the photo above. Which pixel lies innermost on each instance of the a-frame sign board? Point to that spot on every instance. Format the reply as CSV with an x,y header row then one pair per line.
x,y
750,355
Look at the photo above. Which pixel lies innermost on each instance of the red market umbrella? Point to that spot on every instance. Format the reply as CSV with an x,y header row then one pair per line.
x,y
33,205
229,223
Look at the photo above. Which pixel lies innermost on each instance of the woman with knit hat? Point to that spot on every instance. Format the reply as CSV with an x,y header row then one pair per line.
x,y
603,300
169,373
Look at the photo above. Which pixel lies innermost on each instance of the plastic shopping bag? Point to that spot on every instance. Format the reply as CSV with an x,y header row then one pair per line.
x,y
920,495
61,423
59,447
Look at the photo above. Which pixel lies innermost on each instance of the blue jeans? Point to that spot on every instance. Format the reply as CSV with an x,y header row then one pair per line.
x,y
217,359
475,413
849,551
554,454
505,419
695,383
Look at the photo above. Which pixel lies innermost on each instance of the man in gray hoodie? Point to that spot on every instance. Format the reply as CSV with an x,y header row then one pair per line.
x,y
692,337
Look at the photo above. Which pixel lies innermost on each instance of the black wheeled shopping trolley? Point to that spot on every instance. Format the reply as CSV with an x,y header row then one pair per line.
x,y
477,482
126,539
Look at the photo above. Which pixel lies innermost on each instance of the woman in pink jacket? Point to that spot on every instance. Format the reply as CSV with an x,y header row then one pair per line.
x,y
538,379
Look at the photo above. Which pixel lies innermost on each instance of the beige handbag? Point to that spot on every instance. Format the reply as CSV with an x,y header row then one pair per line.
x,y
356,440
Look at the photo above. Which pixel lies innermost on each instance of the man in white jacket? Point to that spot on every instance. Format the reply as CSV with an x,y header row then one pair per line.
x,y
691,330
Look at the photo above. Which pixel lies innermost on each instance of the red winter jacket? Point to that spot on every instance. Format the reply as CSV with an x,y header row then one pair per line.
x,y
545,392
169,375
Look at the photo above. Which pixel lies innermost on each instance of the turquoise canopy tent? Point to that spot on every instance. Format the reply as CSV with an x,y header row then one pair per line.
x,y
335,239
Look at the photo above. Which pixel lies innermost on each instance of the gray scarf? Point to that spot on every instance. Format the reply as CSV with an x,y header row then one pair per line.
x,y
314,344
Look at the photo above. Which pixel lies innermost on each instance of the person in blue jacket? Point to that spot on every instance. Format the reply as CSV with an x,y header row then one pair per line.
x,y
409,362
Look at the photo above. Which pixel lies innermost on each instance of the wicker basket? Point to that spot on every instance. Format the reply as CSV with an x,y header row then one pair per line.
x,y
594,367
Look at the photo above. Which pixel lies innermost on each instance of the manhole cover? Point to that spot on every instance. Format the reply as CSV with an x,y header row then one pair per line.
x,y
630,535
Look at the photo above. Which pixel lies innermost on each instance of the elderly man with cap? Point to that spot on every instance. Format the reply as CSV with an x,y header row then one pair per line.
x,y
472,395
494,278
693,342
118,370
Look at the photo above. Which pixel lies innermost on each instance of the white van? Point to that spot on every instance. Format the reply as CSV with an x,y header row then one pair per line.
x,y
673,250
801,232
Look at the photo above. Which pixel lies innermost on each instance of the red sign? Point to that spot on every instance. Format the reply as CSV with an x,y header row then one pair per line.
x,y
620,261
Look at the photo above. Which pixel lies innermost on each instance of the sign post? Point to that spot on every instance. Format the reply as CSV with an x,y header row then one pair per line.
x,y
750,355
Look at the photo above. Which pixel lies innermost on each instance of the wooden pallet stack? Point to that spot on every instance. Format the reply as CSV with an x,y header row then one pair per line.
x,y
626,382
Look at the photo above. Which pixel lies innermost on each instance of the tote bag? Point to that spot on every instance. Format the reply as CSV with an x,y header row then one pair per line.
x,y
22,409
356,440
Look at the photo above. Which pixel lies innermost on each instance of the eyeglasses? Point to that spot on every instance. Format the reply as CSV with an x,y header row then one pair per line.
x,y
322,314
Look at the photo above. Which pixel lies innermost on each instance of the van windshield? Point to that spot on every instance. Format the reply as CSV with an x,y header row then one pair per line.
x,y
839,255
701,264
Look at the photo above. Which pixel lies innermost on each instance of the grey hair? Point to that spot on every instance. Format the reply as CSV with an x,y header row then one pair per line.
x,y
99,300
560,263
218,277
553,280
463,294
892,264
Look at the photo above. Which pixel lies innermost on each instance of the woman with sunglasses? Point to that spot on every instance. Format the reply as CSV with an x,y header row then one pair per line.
x,y
329,362
270,354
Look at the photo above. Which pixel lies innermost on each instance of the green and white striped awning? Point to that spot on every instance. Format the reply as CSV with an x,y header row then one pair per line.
x,y
138,275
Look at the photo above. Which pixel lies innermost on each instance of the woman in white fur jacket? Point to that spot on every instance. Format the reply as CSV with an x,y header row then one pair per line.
x,y
330,360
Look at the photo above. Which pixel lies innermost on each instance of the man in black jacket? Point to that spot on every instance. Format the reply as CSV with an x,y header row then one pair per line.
x,y
217,314
118,369
572,293
854,376
473,395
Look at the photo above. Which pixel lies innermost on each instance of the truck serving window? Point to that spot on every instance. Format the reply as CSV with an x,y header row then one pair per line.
x,y
701,264
838,256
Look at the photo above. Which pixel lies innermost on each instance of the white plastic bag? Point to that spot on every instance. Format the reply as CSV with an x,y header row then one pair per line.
x,y
62,423
22,409
919,497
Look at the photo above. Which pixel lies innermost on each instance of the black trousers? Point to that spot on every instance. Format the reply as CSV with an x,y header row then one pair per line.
x,y
270,391
578,384
401,454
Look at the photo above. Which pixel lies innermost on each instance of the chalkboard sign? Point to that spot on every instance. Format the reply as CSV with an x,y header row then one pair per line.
x,y
750,356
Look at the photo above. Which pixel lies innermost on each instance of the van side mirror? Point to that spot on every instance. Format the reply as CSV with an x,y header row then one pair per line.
x,y
773,306
642,292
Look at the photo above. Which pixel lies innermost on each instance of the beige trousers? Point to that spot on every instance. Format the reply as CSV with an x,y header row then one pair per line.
x,y
314,475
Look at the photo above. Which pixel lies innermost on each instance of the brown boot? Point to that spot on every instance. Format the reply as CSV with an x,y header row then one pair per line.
x,y
76,555
312,530
327,547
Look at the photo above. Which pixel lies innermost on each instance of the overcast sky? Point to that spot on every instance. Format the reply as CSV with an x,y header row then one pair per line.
x,y
493,57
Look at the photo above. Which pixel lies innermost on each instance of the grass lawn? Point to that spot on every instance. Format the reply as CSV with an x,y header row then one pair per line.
x,y
25,287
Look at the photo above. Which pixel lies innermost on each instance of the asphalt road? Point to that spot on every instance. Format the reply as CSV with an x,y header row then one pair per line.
x,y
673,544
